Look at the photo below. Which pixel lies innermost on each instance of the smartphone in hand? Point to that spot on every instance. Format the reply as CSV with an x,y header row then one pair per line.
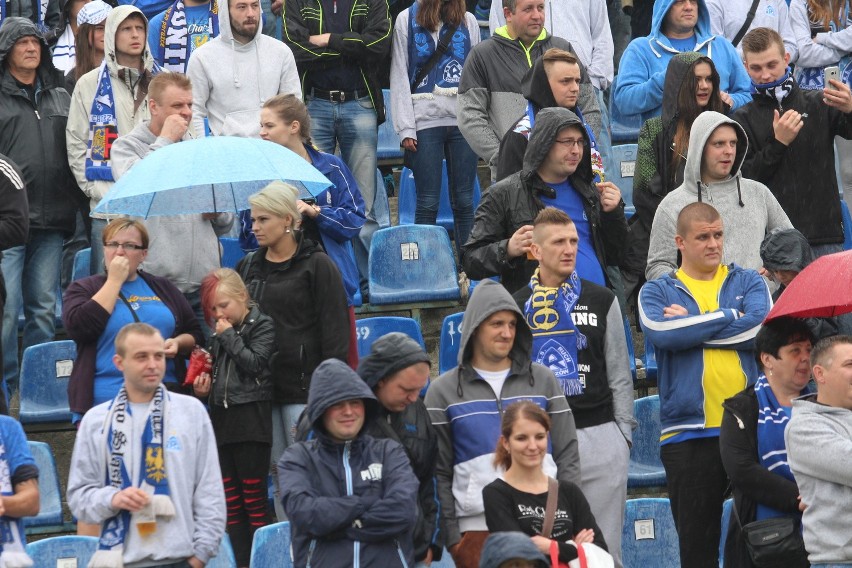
x,y
829,73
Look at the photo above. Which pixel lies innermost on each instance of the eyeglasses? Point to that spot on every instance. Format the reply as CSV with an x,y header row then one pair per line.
x,y
125,246
572,142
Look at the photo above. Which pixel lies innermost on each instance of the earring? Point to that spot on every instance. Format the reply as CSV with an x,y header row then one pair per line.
x,y
770,372
287,230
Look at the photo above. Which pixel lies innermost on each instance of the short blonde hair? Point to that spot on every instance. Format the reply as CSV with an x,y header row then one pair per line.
x,y
278,198
122,223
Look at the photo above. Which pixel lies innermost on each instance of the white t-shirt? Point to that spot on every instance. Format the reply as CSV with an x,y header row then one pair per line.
x,y
494,378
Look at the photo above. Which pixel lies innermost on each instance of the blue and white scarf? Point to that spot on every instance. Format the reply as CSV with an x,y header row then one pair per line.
x,y
444,77
556,339
12,545
597,159
776,90
812,78
772,418
173,49
103,129
153,472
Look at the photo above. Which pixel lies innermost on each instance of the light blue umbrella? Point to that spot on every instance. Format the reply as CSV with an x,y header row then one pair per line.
x,y
208,175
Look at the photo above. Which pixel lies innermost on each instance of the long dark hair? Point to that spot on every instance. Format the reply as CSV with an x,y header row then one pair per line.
x,y
430,13
688,110
86,54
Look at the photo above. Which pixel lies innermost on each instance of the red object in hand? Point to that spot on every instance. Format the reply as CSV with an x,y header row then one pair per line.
x,y
200,361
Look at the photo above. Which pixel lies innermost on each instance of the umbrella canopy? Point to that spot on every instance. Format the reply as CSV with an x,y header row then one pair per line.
x,y
823,289
207,175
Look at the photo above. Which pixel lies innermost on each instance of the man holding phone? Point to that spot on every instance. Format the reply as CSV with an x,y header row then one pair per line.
x,y
791,139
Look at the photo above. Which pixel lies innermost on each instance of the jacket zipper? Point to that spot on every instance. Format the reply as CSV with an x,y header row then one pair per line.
x,y
347,469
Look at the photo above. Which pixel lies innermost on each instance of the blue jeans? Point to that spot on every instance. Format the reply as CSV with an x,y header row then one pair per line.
x,y
433,146
31,273
352,126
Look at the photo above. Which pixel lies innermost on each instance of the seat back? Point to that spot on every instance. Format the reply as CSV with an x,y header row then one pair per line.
x,y
45,369
847,225
69,550
225,557
232,253
410,264
625,128
271,547
50,496
620,172
388,145
368,330
408,199
646,436
82,264
649,537
448,349
650,360
727,508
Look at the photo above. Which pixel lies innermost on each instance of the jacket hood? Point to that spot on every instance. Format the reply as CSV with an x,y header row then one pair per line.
x,y
390,353
662,7
116,16
15,28
536,88
679,68
701,131
488,298
548,123
334,381
503,546
786,249
225,32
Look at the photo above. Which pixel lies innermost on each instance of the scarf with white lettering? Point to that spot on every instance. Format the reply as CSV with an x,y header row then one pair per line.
x,y
103,129
153,471
12,547
173,49
445,75
776,90
556,340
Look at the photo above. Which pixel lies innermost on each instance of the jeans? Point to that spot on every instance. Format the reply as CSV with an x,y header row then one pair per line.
x,y
352,126
31,274
271,22
285,418
433,146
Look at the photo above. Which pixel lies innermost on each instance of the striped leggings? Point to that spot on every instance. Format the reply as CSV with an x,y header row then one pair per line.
x,y
245,468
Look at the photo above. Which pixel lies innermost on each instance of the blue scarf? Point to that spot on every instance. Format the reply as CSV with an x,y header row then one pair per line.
x,y
556,340
597,159
173,50
811,78
444,77
776,90
12,544
153,471
103,129
771,451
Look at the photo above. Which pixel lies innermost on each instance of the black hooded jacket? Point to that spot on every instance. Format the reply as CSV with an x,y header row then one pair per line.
x,y
515,202
33,134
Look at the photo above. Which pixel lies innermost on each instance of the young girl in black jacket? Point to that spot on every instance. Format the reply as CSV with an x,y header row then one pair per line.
x,y
240,393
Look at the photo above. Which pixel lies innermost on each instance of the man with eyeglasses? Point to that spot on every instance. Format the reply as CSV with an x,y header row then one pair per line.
x,y
557,172
677,26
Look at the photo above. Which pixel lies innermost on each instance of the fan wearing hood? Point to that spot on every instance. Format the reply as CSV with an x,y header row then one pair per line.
x,y
748,209
350,498
677,26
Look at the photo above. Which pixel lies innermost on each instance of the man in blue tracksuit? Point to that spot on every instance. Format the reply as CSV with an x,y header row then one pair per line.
x,y
351,498
702,320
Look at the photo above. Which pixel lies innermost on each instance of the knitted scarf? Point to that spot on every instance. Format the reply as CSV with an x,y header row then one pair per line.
x,y
12,546
777,90
556,340
153,470
444,77
173,49
103,129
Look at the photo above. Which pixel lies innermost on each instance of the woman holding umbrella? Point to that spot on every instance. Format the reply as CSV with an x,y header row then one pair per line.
x,y
295,283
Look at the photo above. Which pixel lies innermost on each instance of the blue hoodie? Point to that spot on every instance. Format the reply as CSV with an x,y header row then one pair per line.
x,y
642,71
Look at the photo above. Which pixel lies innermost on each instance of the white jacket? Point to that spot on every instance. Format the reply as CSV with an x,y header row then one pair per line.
x,y
726,19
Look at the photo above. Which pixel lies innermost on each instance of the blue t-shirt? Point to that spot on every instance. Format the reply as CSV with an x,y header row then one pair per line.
x,y
197,25
687,44
17,454
568,200
149,309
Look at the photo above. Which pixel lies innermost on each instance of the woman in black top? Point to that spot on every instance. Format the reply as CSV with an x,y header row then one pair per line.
x,y
518,501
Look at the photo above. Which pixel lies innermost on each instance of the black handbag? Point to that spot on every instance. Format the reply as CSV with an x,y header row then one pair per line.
x,y
773,543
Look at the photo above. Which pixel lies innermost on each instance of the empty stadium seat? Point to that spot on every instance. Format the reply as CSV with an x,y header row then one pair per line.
x,y
82,264
646,469
388,147
368,330
60,551
45,369
232,253
726,521
50,497
625,128
271,547
650,360
847,225
649,537
412,263
448,349
408,199
620,172
225,557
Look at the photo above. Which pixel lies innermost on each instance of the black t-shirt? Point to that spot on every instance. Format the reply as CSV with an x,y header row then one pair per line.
x,y
507,509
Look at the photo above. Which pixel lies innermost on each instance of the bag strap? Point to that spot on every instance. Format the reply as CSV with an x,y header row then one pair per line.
x,y
550,508
443,45
129,307
749,19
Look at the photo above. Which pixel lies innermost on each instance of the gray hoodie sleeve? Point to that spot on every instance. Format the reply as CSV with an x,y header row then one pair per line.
x,y
818,447
444,463
618,372
588,103
88,499
566,450
473,104
200,93
776,218
127,150
402,107
208,499
662,251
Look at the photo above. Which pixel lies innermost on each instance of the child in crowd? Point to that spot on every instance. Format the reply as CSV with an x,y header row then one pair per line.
x,y
240,394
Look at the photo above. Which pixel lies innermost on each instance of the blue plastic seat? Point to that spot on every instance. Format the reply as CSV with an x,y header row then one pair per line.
x,y
368,330
620,172
410,264
82,264
408,199
45,369
225,557
649,537
271,547
847,225
448,349
727,507
48,552
650,360
646,469
388,145
50,497
631,351
625,128
232,253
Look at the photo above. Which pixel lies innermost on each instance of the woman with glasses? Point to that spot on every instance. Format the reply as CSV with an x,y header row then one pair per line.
x,y
95,308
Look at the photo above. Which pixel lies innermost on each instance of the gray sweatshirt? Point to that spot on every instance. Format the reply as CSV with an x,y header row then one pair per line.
x,y
749,210
195,484
727,18
819,449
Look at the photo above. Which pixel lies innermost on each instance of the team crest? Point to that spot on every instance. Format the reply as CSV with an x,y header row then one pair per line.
x,y
155,465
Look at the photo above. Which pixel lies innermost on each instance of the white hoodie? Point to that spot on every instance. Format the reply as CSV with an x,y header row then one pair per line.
x,y
231,81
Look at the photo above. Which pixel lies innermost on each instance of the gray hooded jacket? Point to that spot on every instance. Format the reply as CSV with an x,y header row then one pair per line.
x,y
749,210
466,413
